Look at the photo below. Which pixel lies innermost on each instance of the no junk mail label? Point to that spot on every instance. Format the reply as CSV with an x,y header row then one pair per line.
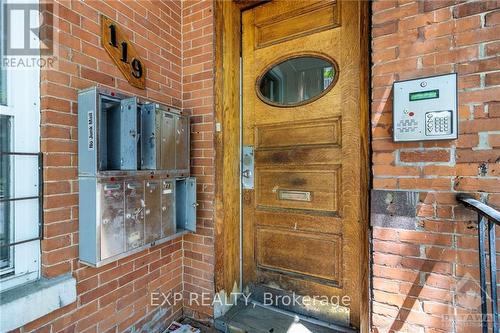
x,y
123,53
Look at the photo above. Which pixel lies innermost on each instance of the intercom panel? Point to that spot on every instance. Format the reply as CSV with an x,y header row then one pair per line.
x,y
425,109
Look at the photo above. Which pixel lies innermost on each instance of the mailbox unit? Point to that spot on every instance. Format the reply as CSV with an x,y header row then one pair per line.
x,y
134,183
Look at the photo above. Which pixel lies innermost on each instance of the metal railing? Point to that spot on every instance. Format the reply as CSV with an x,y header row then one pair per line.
x,y
488,218
38,197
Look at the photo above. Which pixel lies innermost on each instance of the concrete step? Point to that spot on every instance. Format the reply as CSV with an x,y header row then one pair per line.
x,y
257,318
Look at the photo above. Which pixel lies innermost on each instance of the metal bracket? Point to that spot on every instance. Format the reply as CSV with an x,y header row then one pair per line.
x,y
247,168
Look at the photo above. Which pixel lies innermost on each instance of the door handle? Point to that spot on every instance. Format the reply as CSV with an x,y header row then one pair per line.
x,y
247,165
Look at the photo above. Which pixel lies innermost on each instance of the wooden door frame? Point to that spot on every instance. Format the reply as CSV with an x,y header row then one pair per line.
x,y
227,148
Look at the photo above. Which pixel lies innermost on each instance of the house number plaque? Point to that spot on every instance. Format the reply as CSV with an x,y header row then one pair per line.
x,y
123,53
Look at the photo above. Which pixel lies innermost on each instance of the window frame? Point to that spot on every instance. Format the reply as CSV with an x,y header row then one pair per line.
x,y
296,55
23,105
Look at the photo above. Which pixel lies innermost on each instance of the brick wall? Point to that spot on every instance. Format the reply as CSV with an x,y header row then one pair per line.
x,y
116,297
198,89
425,250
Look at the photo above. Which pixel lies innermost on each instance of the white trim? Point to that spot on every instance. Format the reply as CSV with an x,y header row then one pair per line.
x,y
26,303
23,99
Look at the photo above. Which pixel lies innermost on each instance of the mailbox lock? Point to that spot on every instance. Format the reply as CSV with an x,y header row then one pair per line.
x,y
247,173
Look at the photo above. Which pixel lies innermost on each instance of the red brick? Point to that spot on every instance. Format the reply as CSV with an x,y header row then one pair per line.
x,y
467,155
425,156
476,184
492,49
83,63
417,237
492,79
474,7
431,5
494,109
492,18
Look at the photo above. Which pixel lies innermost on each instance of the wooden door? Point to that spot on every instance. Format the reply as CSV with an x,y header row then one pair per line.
x,y
304,219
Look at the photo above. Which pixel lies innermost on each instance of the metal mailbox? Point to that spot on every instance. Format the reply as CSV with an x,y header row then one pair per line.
x,y
133,163
185,192
164,138
152,211
111,197
168,200
134,214
107,135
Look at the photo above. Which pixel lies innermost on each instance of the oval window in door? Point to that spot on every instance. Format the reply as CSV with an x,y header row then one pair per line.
x,y
297,80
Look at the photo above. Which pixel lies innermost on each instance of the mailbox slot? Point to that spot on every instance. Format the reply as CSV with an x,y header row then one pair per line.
x,y
134,214
152,211
112,219
185,191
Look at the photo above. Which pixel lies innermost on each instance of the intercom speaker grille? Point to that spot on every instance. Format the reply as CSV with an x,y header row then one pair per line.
x,y
407,126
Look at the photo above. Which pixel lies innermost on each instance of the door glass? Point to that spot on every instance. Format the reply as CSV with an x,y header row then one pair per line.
x,y
297,80
5,189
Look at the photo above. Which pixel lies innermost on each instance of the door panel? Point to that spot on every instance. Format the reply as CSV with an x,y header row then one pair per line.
x,y
297,189
278,136
298,18
276,245
302,221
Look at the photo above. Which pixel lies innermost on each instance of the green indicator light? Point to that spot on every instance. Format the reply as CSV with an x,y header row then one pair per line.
x,y
423,95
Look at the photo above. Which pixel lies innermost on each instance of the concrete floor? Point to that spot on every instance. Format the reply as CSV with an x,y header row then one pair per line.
x,y
255,318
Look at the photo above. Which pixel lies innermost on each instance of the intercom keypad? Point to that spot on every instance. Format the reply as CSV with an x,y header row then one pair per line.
x,y
425,109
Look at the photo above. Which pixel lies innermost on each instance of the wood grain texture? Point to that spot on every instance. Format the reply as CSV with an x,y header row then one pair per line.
x,y
363,18
322,186
348,45
326,132
307,18
227,101
315,148
304,261
116,54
